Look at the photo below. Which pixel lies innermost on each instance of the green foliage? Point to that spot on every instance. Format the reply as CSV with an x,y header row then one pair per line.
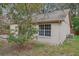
x,y
75,22
18,40
23,38
21,14
76,37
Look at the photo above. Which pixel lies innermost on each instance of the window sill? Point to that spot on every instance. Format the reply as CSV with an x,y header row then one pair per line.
x,y
44,36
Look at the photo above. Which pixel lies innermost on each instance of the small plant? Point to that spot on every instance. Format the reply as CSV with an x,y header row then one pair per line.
x,y
18,40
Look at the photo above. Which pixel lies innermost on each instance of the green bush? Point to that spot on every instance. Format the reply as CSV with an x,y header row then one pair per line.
x,y
75,22
76,37
20,40
26,33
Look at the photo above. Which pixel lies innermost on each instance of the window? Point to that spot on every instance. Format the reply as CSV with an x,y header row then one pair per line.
x,y
45,30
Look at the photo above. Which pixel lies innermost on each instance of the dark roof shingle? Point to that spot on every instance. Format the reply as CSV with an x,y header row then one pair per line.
x,y
53,16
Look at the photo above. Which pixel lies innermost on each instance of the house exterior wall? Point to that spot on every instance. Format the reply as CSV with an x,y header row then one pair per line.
x,y
67,21
59,31
54,38
64,29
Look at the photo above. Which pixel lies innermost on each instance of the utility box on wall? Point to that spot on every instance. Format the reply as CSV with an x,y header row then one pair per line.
x,y
14,29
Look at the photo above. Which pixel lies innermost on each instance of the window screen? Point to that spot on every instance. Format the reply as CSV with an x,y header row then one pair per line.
x,y
45,30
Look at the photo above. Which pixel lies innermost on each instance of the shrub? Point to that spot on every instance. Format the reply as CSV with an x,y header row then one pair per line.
x,y
20,40
26,33
75,22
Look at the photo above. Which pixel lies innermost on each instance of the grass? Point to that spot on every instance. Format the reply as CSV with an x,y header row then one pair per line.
x,y
69,48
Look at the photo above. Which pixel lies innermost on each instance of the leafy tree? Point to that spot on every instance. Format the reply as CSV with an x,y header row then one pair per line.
x,y
21,14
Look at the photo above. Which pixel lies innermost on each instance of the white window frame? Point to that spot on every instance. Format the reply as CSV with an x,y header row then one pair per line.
x,y
45,30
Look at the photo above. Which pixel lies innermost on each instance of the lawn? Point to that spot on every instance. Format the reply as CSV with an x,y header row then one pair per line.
x,y
69,48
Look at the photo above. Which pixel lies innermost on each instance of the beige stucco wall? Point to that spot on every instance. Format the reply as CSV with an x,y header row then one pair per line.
x,y
54,38
58,33
64,29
